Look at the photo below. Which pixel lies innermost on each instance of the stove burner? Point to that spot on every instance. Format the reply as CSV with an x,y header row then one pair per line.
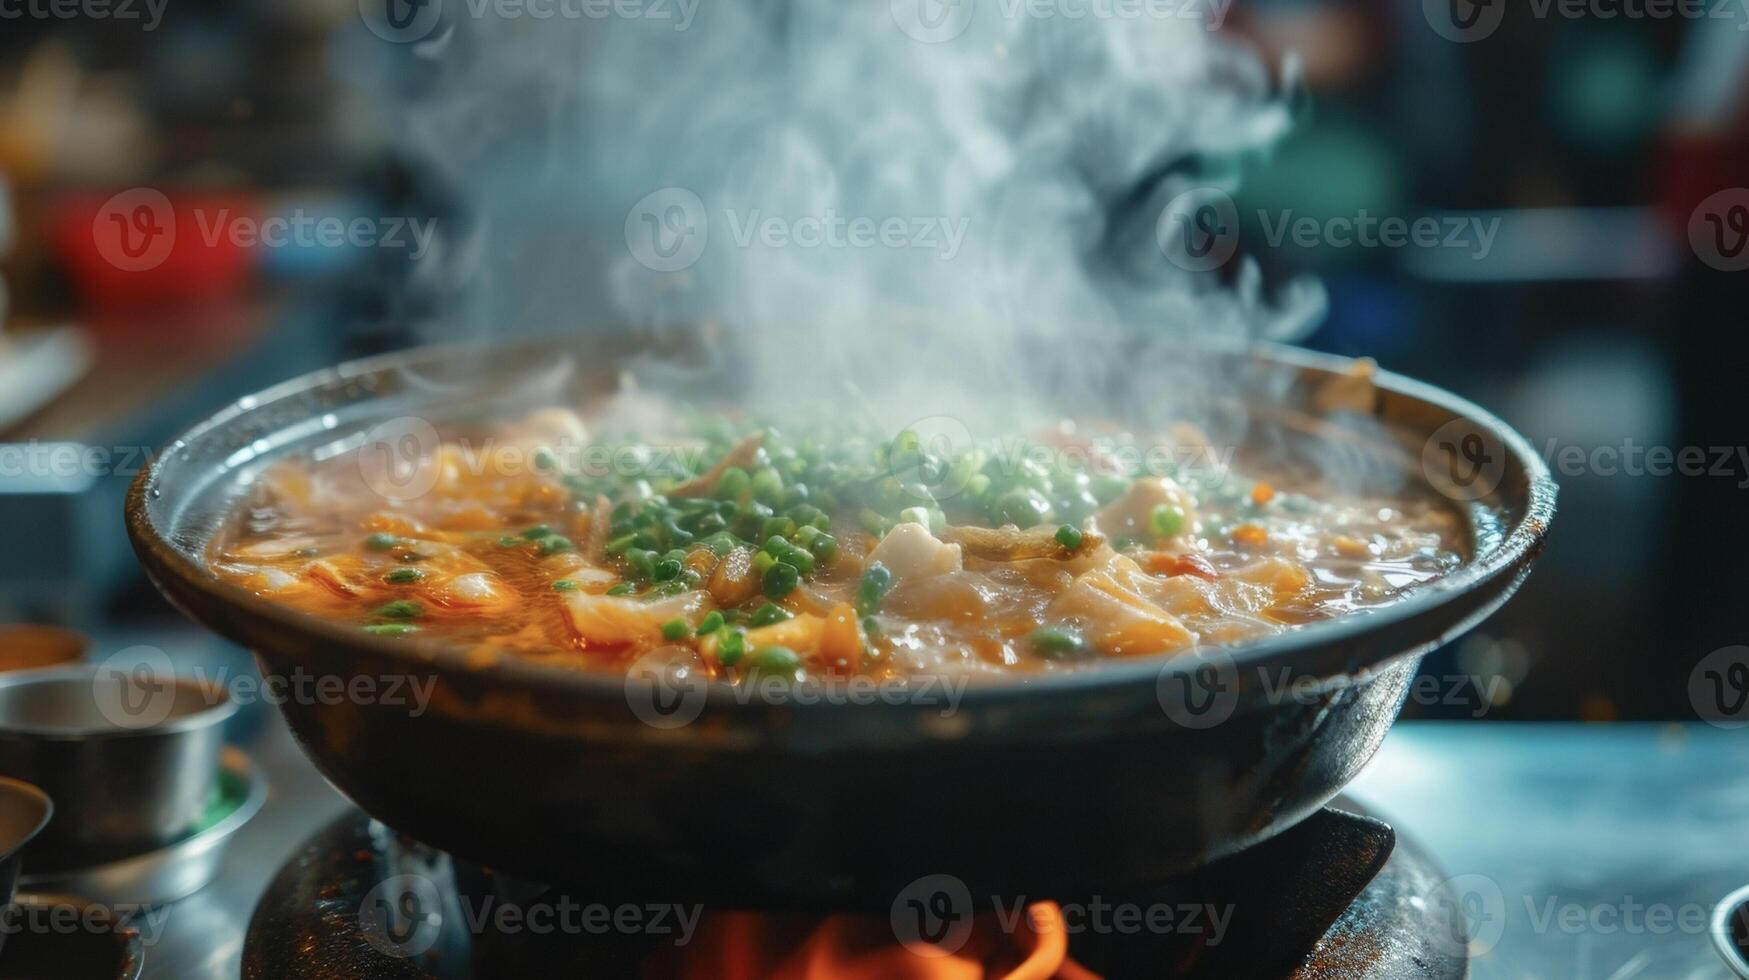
x,y
1336,896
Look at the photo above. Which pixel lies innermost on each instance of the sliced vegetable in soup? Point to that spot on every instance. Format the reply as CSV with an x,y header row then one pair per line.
x,y
803,551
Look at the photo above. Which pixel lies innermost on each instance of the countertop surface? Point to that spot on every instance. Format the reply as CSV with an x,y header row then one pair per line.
x,y
1580,852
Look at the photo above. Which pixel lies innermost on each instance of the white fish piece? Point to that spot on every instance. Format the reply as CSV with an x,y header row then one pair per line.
x,y
909,551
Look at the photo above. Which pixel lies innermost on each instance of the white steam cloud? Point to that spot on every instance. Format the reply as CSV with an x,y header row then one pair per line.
x,y
849,191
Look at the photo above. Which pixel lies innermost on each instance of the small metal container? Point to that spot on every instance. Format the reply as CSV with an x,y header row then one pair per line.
x,y
128,757
24,811
171,873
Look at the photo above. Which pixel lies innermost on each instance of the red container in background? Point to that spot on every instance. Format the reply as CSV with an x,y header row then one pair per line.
x,y
145,247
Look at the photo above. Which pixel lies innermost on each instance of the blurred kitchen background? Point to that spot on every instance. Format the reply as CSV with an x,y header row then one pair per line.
x,y
1591,322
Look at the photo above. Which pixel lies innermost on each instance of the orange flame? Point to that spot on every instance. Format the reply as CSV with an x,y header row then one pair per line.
x,y
757,946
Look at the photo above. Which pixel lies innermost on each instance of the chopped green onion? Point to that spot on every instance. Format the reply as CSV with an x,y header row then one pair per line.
x,y
734,484
1069,536
1166,520
767,614
875,583
712,622
544,459
391,629
795,557
731,644
720,543
824,547
779,580
508,542
400,609
776,660
552,544
777,527
623,588
403,576
537,532
622,544
675,629
565,585
1054,642
768,487
874,523
666,570
1023,507
640,562
381,542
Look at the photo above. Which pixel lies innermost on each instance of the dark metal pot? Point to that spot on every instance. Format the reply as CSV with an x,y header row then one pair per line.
x,y
129,760
1104,778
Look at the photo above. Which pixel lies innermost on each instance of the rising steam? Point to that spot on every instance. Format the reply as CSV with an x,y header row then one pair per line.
x,y
1028,161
